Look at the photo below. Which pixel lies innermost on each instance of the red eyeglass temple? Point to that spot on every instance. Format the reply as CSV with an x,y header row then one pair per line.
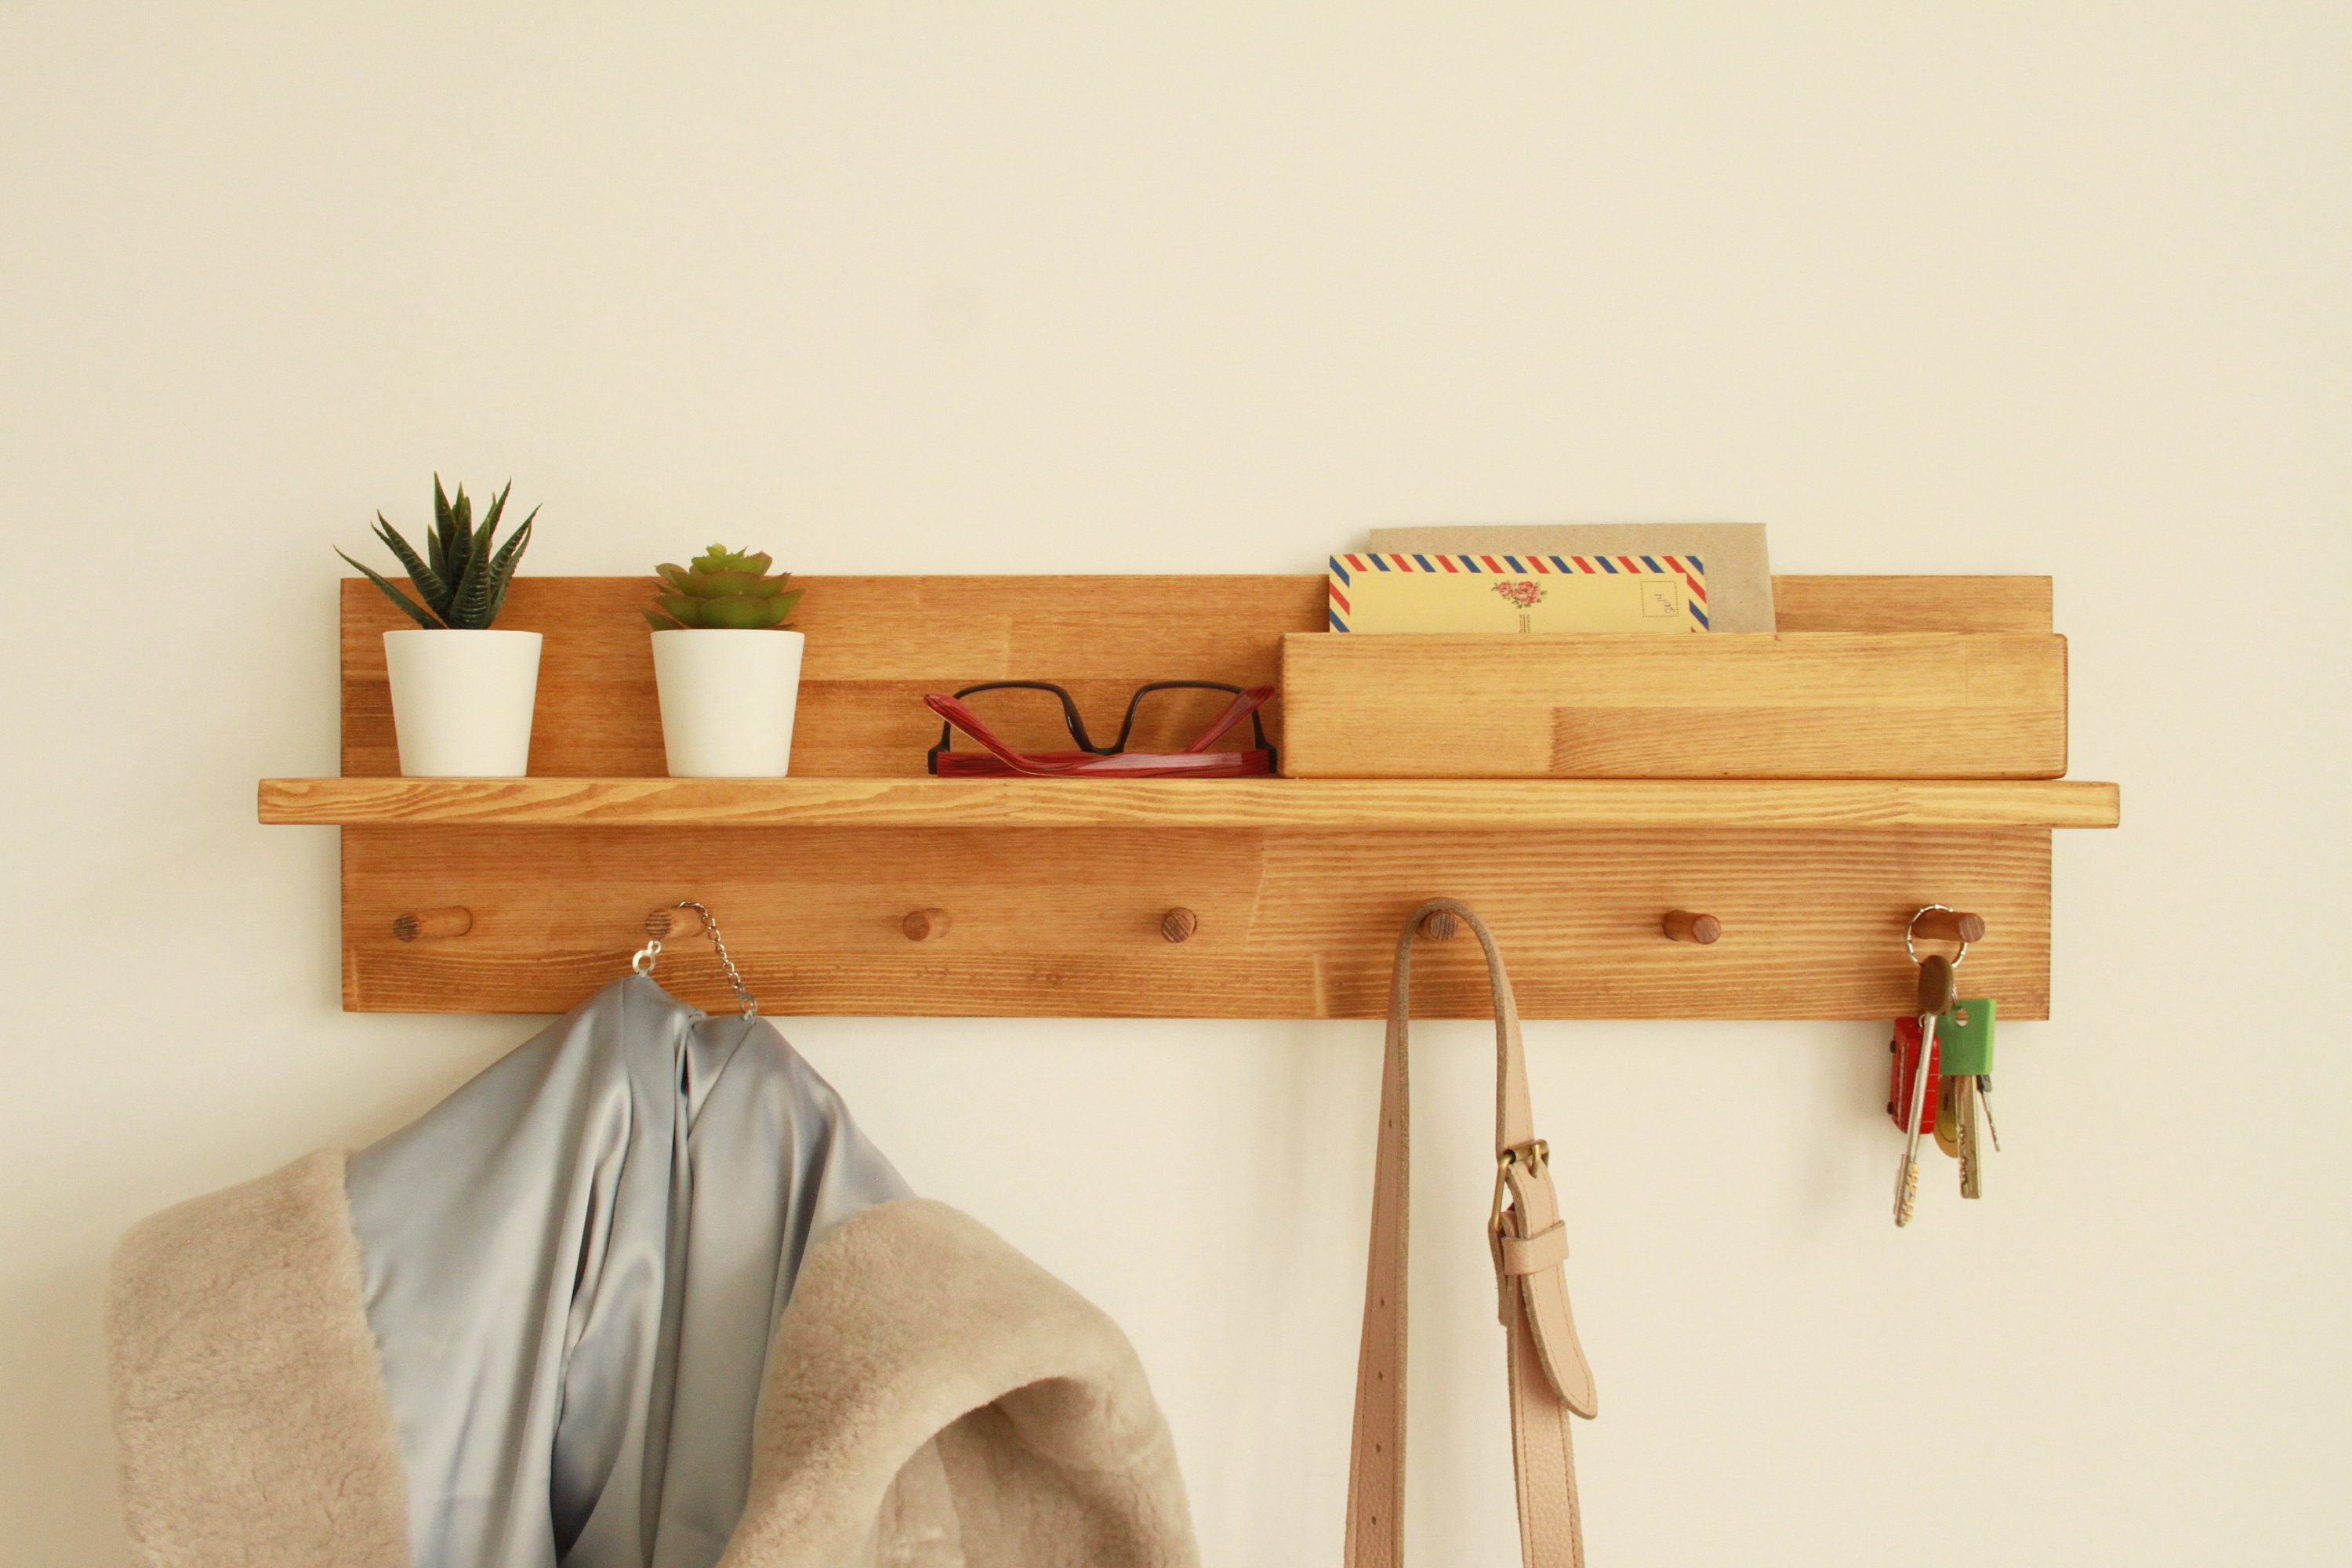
x,y
1195,760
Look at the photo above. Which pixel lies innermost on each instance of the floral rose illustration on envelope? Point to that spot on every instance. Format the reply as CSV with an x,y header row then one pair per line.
x,y
1526,596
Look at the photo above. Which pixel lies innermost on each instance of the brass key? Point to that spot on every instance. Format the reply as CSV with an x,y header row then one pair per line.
x,y
1947,1102
1971,1163
1968,1063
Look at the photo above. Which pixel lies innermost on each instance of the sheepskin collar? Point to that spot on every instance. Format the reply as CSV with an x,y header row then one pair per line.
x,y
933,1399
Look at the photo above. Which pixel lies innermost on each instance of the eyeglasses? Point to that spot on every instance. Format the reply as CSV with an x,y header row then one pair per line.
x,y
1089,760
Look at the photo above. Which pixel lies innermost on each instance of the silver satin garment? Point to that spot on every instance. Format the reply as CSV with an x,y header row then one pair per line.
x,y
574,1265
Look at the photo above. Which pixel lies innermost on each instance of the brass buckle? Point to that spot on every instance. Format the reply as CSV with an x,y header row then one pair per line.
x,y
1537,1155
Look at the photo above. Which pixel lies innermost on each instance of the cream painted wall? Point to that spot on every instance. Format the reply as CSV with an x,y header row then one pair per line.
x,y
1992,288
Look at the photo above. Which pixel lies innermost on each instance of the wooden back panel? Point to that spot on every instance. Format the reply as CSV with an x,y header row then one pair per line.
x,y
876,644
1292,922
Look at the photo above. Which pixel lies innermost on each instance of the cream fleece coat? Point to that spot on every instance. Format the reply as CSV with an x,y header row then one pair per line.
x,y
933,1400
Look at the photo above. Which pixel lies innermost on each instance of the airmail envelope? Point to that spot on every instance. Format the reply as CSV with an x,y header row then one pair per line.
x,y
1392,593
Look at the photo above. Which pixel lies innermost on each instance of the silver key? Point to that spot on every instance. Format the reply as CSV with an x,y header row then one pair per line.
x,y
1936,993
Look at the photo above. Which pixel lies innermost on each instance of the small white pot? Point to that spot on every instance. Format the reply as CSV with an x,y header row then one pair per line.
x,y
461,701
726,701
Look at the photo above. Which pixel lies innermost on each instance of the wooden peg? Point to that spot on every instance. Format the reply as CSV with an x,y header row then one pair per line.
x,y
452,922
1441,925
1683,926
670,923
1950,925
925,925
1178,924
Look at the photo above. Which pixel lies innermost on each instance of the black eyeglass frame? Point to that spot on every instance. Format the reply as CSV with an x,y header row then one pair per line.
x,y
1077,725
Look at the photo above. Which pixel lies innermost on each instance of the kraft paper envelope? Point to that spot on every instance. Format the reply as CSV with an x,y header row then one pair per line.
x,y
1394,592
1739,574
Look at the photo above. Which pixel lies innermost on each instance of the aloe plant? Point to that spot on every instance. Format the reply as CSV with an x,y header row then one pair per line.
x,y
462,584
722,589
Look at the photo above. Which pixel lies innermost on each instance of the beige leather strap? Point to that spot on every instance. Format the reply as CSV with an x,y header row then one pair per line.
x,y
1548,1378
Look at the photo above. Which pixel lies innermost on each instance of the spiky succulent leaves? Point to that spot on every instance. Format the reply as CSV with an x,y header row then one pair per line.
x,y
461,538
422,617
453,526
429,585
464,583
502,567
482,589
436,538
473,595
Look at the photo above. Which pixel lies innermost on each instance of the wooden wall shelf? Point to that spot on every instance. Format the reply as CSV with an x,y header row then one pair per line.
x,y
1370,804
1057,897
1800,705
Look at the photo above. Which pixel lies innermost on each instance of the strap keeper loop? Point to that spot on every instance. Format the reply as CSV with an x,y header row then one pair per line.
x,y
1547,1249
1535,1154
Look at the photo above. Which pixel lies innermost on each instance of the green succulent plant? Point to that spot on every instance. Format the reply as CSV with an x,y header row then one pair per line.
x,y
722,589
464,582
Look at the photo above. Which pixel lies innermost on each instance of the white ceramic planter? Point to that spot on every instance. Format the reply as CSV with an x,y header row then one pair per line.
x,y
726,701
461,701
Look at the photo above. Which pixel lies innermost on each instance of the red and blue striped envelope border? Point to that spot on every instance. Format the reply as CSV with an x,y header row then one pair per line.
x,y
1346,569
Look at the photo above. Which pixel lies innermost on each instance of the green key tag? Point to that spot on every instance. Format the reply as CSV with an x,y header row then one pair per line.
x,y
1964,1036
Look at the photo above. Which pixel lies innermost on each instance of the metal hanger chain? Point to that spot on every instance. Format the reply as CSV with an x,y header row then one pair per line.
x,y
642,962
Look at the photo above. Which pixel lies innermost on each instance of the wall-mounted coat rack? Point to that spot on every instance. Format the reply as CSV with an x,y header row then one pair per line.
x,y
1900,739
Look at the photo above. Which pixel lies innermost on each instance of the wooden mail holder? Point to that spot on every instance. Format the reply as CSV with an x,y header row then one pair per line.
x,y
1798,796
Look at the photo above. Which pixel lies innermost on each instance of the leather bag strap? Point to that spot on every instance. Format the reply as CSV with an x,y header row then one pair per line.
x,y
1549,1376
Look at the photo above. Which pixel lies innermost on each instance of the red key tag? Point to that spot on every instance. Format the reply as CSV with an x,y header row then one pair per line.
x,y
1903,1063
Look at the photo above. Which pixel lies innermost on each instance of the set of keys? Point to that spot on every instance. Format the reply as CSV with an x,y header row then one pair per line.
x,y
1941,1082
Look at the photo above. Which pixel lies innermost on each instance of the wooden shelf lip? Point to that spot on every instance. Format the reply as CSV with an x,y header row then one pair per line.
x,y
1370,804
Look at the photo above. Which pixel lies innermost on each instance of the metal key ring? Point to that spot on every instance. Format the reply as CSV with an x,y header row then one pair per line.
x,y
1957,958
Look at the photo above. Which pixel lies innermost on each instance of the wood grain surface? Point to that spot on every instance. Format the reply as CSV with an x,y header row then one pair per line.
x,y
876,644
1819,705
1050,896
1361,803
1911,604
1291,922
